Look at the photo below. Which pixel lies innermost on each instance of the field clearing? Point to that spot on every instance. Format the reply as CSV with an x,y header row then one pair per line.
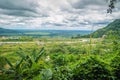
x,y
38,33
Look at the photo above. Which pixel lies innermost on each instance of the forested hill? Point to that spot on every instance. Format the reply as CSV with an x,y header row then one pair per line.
x,y
112,28
2,30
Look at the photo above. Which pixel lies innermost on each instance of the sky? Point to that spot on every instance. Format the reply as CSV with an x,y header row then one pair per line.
x,y
56,14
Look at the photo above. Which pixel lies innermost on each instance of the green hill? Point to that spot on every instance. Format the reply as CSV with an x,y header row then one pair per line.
x,y
112,28
9,32
2,30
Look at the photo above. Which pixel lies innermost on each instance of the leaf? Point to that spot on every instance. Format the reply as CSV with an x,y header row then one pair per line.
x,y
7,71
34,54
9,63
29,61
19,63
22,54
40,54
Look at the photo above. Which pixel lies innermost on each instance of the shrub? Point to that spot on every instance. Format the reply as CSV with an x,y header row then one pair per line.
x,y
92,69
60,59
116,45
115,64
62,73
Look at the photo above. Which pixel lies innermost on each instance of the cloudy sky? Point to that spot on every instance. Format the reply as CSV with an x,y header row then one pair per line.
x,y
56,14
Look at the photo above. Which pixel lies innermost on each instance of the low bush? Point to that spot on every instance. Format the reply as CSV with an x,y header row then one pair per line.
x,y
91,69
115,64
62,73
59,59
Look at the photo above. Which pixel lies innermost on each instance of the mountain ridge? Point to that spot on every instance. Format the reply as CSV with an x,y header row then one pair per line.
x,y
3,30
112,28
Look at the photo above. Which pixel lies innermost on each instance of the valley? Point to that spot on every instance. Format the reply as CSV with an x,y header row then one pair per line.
x,y
60,55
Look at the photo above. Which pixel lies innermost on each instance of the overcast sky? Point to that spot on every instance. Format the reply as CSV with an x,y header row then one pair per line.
x,y
56,14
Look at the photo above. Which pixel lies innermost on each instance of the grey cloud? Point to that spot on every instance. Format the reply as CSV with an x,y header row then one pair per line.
x,y
57,24
23,8
28,5
22,13
81,4
53,24
101,23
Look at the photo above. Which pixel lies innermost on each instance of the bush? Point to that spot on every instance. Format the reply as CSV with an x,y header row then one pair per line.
x,y
115,64
116,45
60,59
62,73
92,69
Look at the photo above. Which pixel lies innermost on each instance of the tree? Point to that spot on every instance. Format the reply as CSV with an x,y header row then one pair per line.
x,y
111,5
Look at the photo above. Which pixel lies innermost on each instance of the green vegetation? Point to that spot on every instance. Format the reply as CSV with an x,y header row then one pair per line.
x,y
8,33
61,59
112,28
16,39
2,30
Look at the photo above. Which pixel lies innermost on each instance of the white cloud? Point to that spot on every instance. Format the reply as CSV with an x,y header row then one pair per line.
x,y
52,14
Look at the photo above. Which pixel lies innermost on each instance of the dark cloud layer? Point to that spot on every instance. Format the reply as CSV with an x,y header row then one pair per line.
x,y
19,7
27,5
81,4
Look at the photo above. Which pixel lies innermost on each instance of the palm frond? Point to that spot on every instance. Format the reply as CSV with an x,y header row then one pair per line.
x,y
40,54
